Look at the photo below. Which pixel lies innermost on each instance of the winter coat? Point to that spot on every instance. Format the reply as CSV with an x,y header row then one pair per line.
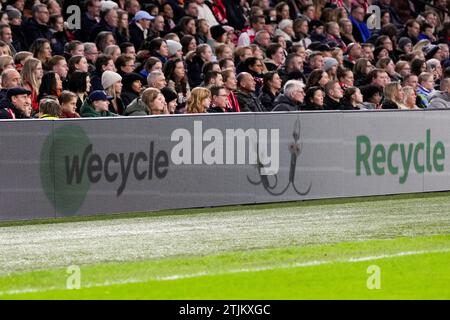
x,y
284,103
137,108
34,30
9,111
439,100
249,103
330,104
88,111
267,99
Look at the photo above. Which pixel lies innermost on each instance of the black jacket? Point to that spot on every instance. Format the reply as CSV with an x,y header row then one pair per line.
x,y
19,41
136,36
7,108
389,104
249,103
127,96
284,103
330,104
34,30
194,71
267,99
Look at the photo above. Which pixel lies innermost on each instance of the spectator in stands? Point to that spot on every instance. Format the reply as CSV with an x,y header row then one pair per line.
x,y
314,99
78,63
41,50
156,79
195,64
410,97
104,39
317,78
37,27
10,78
49,108
19,40
441,99
59,36
6,62
425,89
171,98
175,74
345,78
97,105
257,23
17,104
361,70
378,77
393,96
112,83
51,85
68,102
353,99
333,96
139,26
32,74
152,102
292,97
122,25
125,64
218,100
90,20
248,102
80,84
388,65
230,84
272,84
104,62
132,85
199,100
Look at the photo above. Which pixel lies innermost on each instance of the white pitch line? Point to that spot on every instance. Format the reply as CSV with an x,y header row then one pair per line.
x,y
231,271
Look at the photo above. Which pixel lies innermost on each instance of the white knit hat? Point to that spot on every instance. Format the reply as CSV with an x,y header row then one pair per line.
x,y
285,23
174,46
109,78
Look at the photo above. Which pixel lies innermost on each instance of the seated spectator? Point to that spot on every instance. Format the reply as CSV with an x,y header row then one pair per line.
x,y
104,39
330,66
361,70
17,104
125,64
157,48
441,99
218,100
103,63
317,78
78,63
36,27
59,37
353,99
59,65
314,99
112,82
248,102
425,89
270,90
32,74
80,84
345,78
175,49
292,97
132,85
171,98
175,74
372,96
156,80
388,65
199,100
138,27
410,97
41,50
333,96
97,105
230,85
6,62
49,108
51,85
275,57
113,51
68,102
152,102
195,62
152,64
10,78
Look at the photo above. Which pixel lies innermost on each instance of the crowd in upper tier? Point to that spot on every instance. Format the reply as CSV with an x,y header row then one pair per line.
x,y
134,58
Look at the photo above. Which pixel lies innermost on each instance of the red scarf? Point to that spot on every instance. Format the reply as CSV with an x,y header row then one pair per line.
x,y
232,103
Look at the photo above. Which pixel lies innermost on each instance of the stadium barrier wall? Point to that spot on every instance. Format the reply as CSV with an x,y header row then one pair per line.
x,y
102,166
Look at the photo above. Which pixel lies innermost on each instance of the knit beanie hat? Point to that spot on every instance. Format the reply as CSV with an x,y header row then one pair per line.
x,y
217,31
169,94
285,23
430,51
403,41
329,63
174,46
109,78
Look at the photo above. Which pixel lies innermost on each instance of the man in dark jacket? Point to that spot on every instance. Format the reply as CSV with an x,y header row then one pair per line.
x,y
334,94
16,105
109,22
245,94
139,28
37,27
292,98
89,20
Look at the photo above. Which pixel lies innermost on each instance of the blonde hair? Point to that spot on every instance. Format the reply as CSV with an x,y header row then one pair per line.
x,y
29,73
4,60
149,96
391,91
195,100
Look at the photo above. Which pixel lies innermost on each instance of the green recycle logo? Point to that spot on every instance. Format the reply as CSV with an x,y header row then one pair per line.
x,y
67,141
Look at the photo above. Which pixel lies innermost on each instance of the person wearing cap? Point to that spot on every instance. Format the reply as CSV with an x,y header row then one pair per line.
x,y
97,105
17,104
112,83
132,85
175,49
139,27
404,46
171,98
330,66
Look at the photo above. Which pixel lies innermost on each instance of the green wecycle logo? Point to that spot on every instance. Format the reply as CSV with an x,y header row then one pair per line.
x,y
70,166
398,158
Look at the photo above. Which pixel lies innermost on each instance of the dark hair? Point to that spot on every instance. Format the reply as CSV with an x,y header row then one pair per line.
x,y
185,42
169,68
48,85
208,66
72,62
77,82
416,66
37,46
272,49
122,61
210,75
314,78
309,96
215,90
125,45
153,46
102,60
268,76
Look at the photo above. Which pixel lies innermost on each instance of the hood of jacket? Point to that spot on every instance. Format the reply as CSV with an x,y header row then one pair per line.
x,y
136,108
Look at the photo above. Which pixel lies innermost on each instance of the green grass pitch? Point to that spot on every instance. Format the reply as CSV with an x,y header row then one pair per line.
x,y
393,247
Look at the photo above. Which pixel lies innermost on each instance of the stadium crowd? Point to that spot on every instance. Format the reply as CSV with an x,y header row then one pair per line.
x,y
132,58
